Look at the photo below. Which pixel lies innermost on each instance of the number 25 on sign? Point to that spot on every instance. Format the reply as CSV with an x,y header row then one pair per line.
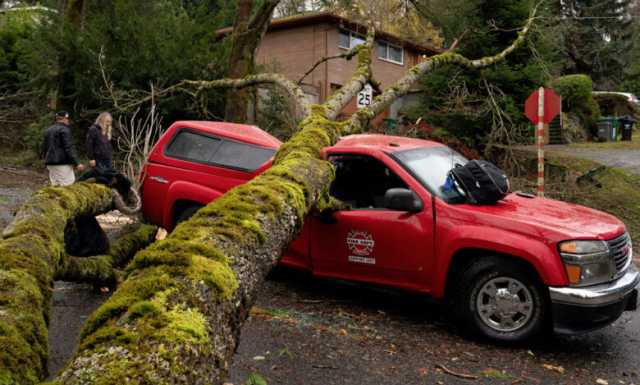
x,y
365,96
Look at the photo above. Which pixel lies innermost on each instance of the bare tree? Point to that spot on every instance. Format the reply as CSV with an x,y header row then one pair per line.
x,y
177,316
136,137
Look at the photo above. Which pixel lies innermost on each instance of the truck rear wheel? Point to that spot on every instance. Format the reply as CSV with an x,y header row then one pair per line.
x,y
501,300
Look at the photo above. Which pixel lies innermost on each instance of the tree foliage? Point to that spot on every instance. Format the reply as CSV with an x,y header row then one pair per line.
x,y
139,43
485,106
598,37
577,98
631,82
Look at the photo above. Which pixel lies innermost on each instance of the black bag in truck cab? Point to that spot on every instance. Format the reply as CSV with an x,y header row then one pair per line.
x,y
483,182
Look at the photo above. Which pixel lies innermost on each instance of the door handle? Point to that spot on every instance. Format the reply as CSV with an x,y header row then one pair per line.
x,y
159,179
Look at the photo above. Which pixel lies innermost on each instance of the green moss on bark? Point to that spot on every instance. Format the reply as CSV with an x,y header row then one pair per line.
x,y
31,250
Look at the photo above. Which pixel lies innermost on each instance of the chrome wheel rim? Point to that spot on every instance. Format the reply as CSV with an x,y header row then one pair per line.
x,y
504,304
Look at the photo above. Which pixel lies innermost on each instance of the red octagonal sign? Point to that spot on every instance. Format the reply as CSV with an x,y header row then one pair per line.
x,y
551,106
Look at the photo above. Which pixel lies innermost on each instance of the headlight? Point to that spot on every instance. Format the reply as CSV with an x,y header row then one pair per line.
x,y
587,262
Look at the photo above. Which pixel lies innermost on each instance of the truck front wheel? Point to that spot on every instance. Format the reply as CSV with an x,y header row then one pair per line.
x,y
500,300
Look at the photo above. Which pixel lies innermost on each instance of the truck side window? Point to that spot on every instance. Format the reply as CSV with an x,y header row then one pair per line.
x,y
207,149
191,146
362,181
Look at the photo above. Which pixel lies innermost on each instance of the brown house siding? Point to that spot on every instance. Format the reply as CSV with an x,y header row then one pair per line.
x,y
292,46
292,52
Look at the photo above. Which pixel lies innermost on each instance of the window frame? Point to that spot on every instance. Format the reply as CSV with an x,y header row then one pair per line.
x,y
388,58
221,140
351,34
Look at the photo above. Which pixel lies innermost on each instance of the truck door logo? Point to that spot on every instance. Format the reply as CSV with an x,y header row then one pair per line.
x,y
360,244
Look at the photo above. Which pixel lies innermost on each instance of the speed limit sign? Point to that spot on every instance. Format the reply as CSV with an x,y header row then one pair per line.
x,y
365,96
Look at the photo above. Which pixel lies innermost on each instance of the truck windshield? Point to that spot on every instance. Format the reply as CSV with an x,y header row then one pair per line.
x,y
431,165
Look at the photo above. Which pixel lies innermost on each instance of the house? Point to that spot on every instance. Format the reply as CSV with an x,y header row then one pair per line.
x,y
292,45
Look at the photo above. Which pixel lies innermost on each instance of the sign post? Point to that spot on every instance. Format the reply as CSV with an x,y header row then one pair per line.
x,y
542,106
540,140
365,96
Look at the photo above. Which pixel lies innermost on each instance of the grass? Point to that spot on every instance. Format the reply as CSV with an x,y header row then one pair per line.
x,y
26,158
634,144
613,190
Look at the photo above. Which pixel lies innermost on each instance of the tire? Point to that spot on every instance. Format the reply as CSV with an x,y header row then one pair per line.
x,y
501,300
186,213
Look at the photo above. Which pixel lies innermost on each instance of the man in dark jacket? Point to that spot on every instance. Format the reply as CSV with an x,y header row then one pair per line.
x,y
58,152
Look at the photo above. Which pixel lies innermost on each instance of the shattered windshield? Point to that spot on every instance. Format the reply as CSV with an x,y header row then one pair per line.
x,y
431,165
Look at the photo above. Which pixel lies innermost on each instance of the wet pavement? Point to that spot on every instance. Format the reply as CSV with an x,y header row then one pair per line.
x,y
72,305
627,159
312,331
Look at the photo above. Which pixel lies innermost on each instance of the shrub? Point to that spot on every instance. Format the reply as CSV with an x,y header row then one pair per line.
x,y
575,91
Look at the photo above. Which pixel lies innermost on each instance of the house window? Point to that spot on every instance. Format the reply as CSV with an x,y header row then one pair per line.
x,y
349,39
390,52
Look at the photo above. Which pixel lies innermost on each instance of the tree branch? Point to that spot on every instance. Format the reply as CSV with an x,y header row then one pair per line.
x,y
295,92
100,269
363,74
262,17
346,55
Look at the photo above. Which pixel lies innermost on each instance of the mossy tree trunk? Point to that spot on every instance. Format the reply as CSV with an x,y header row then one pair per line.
x,y
32,253
177,316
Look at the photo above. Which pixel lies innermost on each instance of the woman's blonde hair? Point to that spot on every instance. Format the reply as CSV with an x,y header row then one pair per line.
x,y
101,121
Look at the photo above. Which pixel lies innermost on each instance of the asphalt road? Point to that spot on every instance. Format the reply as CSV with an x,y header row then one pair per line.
x,y
311,331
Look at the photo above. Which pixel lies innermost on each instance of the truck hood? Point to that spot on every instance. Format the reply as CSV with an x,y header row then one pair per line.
x,y
547,218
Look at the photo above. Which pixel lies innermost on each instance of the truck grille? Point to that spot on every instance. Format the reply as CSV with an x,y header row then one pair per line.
x,y
620,248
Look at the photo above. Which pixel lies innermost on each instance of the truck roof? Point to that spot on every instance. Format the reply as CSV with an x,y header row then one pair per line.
x,y
386,143
256,136
240,132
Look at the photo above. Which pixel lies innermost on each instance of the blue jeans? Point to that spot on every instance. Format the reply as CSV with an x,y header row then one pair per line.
x,y
104,165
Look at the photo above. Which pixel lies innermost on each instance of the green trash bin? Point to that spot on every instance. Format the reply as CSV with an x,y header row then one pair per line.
x,y
608,128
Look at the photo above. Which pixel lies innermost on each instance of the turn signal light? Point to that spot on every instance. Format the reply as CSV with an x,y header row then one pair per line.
x,y
568,247
574,273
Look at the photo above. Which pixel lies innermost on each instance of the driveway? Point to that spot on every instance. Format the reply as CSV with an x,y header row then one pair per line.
x,y
625,158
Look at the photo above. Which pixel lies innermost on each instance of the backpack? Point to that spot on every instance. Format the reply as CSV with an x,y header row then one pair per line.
x,y
483,182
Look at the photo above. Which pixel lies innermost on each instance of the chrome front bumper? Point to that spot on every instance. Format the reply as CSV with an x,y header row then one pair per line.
x,y
598,295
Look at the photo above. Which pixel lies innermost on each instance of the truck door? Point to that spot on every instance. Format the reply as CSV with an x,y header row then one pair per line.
x,y
370,242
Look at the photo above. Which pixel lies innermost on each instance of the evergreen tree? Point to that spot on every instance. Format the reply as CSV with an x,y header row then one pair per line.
x,y
485,106
597,39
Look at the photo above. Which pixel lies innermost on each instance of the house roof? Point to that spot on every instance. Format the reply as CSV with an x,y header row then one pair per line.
x,y
320,17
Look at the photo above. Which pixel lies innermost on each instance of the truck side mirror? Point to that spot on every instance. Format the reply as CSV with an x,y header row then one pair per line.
x,y
402,199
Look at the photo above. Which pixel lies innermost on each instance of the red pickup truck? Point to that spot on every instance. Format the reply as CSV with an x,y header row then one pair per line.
x,y
508,270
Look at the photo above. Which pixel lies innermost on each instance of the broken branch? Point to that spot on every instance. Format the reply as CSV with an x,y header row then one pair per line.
x,y
346,55
456,374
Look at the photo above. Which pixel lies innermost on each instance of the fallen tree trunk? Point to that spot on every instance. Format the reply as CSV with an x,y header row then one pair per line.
x,y
102,269
32,253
